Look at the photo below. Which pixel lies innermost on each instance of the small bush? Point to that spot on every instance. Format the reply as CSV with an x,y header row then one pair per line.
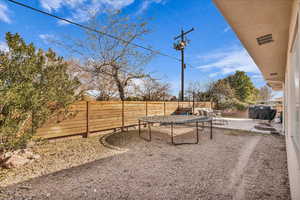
x,y
241,106
34,84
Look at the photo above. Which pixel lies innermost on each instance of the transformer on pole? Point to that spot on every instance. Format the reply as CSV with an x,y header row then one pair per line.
x,y
180,46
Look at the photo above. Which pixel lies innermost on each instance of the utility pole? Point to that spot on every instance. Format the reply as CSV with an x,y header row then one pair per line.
x,y
179,46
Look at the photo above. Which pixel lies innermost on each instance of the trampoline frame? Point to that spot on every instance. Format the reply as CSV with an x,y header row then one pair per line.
x,y
195,120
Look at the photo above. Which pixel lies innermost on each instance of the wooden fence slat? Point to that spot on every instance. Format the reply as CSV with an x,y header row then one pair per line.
x,y
95,116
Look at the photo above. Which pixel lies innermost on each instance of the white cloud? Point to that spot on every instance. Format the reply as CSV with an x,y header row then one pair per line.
x,y
46,37
226,29
257,77
54,5
227,61
3,46
277,94
81,10
118,4
4,13
145,5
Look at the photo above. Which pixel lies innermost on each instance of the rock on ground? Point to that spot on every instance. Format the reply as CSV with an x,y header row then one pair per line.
x,y
17,158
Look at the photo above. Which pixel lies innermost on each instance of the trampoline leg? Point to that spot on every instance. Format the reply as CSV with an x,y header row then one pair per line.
x,y
197,133
149,131
139,128
211,126
150,134
172,139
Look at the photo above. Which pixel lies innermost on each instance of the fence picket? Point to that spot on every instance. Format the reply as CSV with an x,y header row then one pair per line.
x,y
97,116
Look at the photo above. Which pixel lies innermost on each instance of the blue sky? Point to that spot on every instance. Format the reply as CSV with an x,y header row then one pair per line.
x,y
214,51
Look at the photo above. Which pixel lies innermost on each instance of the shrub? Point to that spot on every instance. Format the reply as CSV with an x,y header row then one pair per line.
x,y
33,85
240,105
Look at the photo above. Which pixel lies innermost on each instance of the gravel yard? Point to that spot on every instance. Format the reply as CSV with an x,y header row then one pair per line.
x,y
57,155
234,165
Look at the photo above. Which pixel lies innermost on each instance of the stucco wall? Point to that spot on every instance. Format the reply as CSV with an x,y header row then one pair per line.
x,y
293,153
255,18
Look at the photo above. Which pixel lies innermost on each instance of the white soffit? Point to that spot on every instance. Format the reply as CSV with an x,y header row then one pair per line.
x,y
253,19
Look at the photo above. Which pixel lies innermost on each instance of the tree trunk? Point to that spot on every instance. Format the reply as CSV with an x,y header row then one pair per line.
x,y
120,86
120,89
121,92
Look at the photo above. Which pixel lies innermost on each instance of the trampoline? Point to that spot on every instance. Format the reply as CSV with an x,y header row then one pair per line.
x,y
173,120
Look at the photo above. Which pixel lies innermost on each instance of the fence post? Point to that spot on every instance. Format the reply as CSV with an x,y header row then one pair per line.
x,y
123,120
164,108
87,119
193,104
146,108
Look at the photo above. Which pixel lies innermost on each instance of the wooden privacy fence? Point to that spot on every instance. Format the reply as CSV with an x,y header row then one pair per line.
x,y
94,116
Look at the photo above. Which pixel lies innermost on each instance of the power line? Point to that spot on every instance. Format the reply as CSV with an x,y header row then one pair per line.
x,y
94,30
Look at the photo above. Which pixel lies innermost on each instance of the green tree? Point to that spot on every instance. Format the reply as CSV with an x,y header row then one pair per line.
x,y
243,87
33,85
234,91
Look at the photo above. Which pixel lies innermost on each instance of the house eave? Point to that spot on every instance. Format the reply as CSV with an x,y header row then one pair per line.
x,y
256,18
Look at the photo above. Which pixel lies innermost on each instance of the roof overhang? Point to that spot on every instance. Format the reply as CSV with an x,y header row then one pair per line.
x,y
253,19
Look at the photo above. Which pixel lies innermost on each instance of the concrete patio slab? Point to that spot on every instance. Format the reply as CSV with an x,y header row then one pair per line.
x,y
244,124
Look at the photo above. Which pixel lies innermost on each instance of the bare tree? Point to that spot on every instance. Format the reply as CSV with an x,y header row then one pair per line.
x,y
265,93
103,85
106,88
75,71
194,89
153,90
114,58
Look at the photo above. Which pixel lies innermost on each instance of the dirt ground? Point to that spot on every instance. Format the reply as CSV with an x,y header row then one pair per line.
x,y
231,166
57,155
